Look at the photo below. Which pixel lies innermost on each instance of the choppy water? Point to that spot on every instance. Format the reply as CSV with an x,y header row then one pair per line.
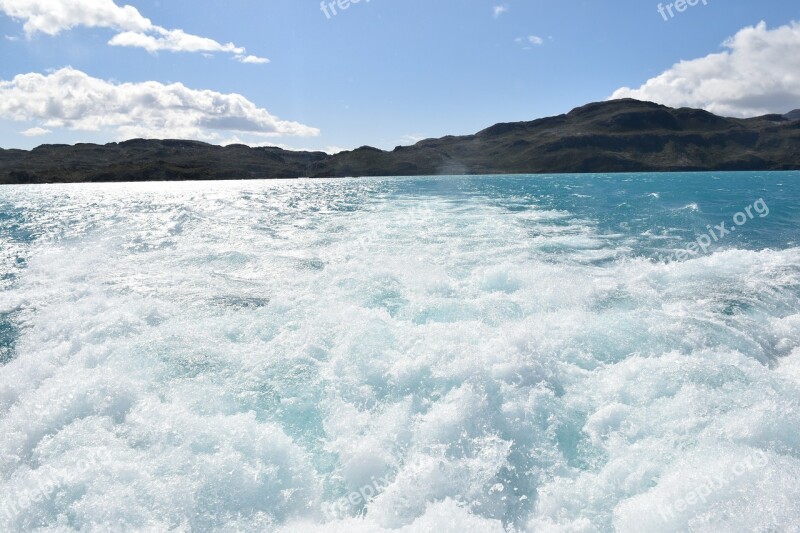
x,y
471,354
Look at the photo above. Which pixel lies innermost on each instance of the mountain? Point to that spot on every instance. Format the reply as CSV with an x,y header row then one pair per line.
x,y
793,115
151,160
612,136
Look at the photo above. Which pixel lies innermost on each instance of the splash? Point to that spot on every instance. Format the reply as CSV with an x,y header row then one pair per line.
x,y
484,354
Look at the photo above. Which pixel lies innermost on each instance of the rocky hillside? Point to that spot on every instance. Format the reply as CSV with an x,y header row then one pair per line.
x,y
613,136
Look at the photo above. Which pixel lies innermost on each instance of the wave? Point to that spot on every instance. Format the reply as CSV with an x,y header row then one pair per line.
x,y
464,366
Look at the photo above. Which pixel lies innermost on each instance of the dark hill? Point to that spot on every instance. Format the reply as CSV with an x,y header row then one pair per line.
x,y
613,136
151,160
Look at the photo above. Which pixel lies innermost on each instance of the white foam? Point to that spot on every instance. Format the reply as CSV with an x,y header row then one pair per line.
x,y
250,355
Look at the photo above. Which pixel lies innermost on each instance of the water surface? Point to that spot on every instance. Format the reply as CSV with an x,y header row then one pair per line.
x,y
487,353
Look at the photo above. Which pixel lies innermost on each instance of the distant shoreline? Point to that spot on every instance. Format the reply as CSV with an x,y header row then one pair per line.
x,y
616,136
421,176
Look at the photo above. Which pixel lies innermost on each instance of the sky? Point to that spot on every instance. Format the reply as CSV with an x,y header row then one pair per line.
x,y
376,72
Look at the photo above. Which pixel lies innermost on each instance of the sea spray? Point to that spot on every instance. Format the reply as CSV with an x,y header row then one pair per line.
x,y
488,353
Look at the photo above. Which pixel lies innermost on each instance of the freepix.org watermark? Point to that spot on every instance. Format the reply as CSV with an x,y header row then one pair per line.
x,y
334,7
671,10
717,233
48,484
363,496
719,481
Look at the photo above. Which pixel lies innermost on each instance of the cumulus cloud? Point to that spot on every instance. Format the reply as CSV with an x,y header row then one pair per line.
x,y
757,74
251,59
35,132
52,17
499,10
69,98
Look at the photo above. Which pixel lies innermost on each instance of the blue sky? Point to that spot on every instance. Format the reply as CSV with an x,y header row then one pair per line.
x,y
383,72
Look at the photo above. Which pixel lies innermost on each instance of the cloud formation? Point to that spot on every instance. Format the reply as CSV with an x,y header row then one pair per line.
x,y
69,98
499,10
530,40
52,17
35,132
251,59
759,73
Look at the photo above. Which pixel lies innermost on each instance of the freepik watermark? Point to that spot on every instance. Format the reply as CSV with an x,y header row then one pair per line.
x,y
671,10
717,233
334,7
719,481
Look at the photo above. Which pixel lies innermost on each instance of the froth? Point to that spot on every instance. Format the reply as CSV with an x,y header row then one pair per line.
x,y
334,357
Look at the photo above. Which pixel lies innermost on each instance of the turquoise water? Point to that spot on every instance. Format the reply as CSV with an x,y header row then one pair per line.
x,y
498,353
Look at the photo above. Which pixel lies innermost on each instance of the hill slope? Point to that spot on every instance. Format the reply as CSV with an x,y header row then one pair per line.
x,y
613,136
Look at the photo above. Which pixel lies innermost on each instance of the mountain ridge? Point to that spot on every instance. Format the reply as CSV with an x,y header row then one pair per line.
x,y
611,136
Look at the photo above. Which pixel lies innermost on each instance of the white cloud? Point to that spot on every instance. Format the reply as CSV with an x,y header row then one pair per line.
x,y
52,17
69,98
500,10
171,41
412,138
333,150
251,59
759,73
534,40
330,150
35,132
